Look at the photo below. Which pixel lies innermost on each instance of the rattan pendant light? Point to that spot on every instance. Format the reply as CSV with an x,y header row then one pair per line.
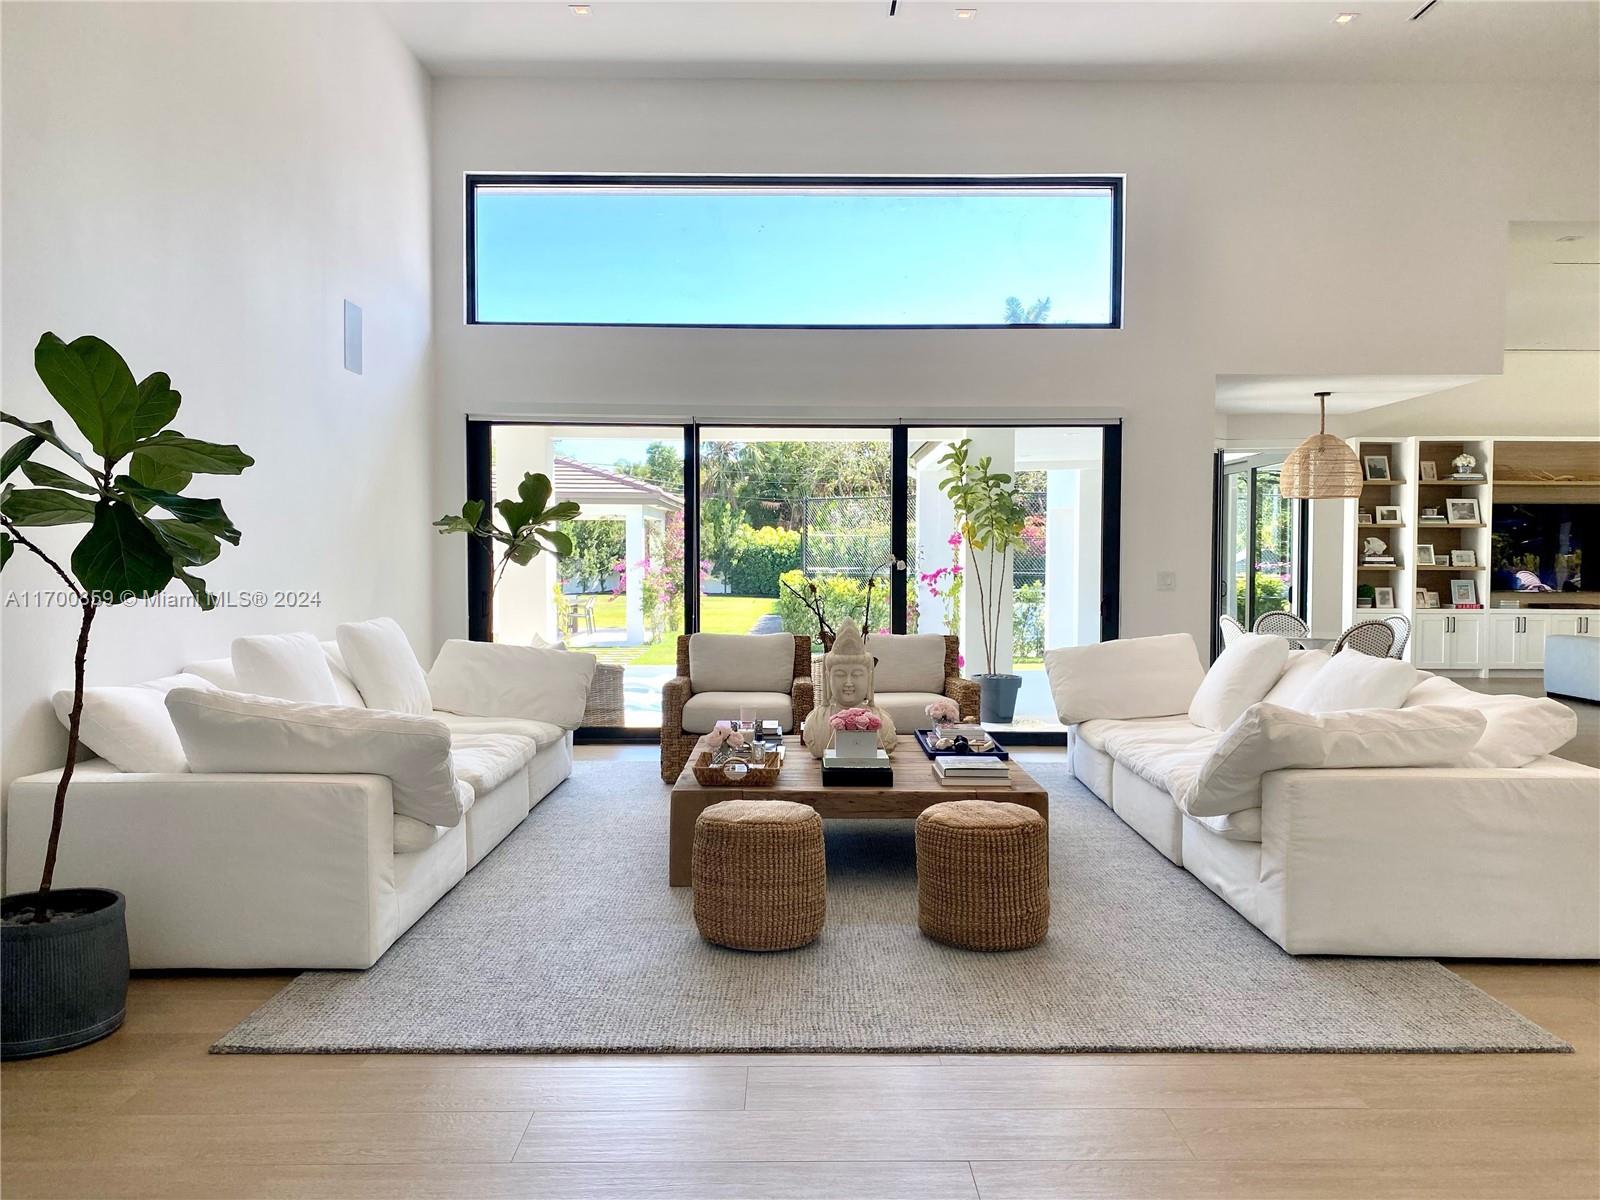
x,y
1322,467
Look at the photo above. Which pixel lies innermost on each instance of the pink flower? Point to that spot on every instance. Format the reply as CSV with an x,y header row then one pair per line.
x,y
954,539
943,710
862,720
724,734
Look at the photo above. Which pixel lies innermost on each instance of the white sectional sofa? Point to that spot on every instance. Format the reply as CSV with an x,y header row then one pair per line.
x,y
1440,860
292,868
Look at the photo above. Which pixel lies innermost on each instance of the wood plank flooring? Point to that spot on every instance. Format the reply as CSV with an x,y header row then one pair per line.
x,y
148,1113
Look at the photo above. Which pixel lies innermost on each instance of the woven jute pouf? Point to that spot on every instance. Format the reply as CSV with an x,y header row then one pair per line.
x,y
983,875
760,879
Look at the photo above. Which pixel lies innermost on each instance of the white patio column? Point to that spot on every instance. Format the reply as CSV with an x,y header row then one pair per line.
x,y
936,521
523,604
1061,532
1000,446
633,556
1087,554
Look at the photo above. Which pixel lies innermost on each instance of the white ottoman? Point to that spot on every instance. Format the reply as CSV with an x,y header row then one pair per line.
x,y
1572,665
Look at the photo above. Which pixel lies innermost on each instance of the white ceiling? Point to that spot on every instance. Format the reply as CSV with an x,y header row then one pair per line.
x,y
1464,40
1553,286
1351,393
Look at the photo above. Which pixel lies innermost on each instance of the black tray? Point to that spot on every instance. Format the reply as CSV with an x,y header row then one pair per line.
x,y
925,740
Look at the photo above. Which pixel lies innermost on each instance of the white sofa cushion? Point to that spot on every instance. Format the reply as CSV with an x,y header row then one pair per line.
x,y
412,835
1517,729
486,760
1241,676
1164,751
380,660
492,679
741,662
226,732
1130,677
286,666
218,672
704,709
543,733
129,726
1270,738
908,710
1241,826
907,662
1298,672
1353,680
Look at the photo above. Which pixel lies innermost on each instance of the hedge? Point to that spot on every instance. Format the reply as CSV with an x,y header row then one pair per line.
x,y
757,558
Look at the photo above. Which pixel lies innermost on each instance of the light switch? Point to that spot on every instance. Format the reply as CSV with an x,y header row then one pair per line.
x,y
1166,581
352,337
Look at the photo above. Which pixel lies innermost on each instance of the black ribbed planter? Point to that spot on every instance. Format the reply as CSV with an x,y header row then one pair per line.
x,y
64,983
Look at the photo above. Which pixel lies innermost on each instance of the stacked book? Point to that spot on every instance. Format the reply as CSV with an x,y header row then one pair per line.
x,y
839,770
971,770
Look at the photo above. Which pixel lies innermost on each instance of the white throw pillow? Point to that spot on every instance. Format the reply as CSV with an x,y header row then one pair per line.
x,y
1298,672
1127,678
380,660
228,732
343,686
491,679
1270,738
1355,680
1518,729
742,662
129,726
1241,676
286,666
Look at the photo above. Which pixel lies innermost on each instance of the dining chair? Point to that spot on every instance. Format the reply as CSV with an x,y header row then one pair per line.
x,y
1402,634
1285,625
1367,637
1232,631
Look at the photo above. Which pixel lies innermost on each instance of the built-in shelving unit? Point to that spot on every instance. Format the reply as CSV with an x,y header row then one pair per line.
x,y
1508,630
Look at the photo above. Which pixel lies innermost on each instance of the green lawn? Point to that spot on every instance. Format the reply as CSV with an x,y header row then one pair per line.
x,y
718,614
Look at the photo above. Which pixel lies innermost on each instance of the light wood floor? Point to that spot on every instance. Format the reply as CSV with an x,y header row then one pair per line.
x,y
147,1113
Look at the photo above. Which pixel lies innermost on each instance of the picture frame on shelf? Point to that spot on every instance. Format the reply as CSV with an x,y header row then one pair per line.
x,y
1463,558
1462,510
1425,555
1383,597
1429,472
1376,467
1363,517
1388,514
1420,598
1433,600
1464,593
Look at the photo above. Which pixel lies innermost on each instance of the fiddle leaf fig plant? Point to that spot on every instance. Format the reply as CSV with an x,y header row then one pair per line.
x,y
529,523
991,519
143,531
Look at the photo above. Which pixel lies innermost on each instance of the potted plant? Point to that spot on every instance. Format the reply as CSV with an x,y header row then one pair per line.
x,y
65,951
991,519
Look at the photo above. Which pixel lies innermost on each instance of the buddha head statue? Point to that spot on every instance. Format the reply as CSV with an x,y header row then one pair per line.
x,y
847,669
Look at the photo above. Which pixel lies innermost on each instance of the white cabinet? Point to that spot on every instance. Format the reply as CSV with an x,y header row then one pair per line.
x,y
1517,639
1450,641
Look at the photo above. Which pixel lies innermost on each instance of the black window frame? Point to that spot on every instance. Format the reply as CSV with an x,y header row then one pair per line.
x,y
475,180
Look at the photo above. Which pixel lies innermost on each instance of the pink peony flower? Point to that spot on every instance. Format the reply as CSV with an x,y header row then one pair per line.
x,y
856,720
943,710
724,734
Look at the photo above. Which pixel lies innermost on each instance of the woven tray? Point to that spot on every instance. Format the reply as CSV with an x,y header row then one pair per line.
x,y
765,775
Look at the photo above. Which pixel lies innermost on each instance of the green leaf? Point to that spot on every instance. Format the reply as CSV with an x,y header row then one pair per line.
x,y
47,431
47,506
158,475
472,512
523,553
560,544
18,453
93,385
187,543
170,449
119,558
197,589
535,491
7,546
567,510
158,404
207,514
47,476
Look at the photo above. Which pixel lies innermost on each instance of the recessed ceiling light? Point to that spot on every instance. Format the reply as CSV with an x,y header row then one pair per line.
x,y
1570,237
578,10
966,14
1345,18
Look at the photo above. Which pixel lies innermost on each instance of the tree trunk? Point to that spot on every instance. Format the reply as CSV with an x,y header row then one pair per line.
x,y
74,723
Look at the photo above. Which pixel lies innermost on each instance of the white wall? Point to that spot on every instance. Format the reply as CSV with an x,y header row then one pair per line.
x,y
203,186
1271,229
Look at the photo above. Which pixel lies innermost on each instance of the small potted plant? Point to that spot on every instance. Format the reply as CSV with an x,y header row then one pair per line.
x,y
64,966
942,713
855,732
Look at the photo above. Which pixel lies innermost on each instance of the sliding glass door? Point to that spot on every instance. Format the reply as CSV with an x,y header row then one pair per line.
x,y
728,529
1260,556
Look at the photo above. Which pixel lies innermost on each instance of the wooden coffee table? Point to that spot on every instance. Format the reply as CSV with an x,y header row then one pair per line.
x,y
915,788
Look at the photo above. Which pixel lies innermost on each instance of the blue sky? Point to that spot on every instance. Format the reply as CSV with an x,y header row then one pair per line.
x,y
790,258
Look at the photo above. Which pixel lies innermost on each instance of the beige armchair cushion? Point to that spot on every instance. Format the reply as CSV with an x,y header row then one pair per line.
x,y
705,709
908,710
907,662
742,662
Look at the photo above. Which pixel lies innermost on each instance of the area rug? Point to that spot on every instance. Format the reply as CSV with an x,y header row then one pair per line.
x,y
567,938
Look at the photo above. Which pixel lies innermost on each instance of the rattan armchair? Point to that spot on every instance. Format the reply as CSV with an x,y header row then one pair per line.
x,y
677,744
